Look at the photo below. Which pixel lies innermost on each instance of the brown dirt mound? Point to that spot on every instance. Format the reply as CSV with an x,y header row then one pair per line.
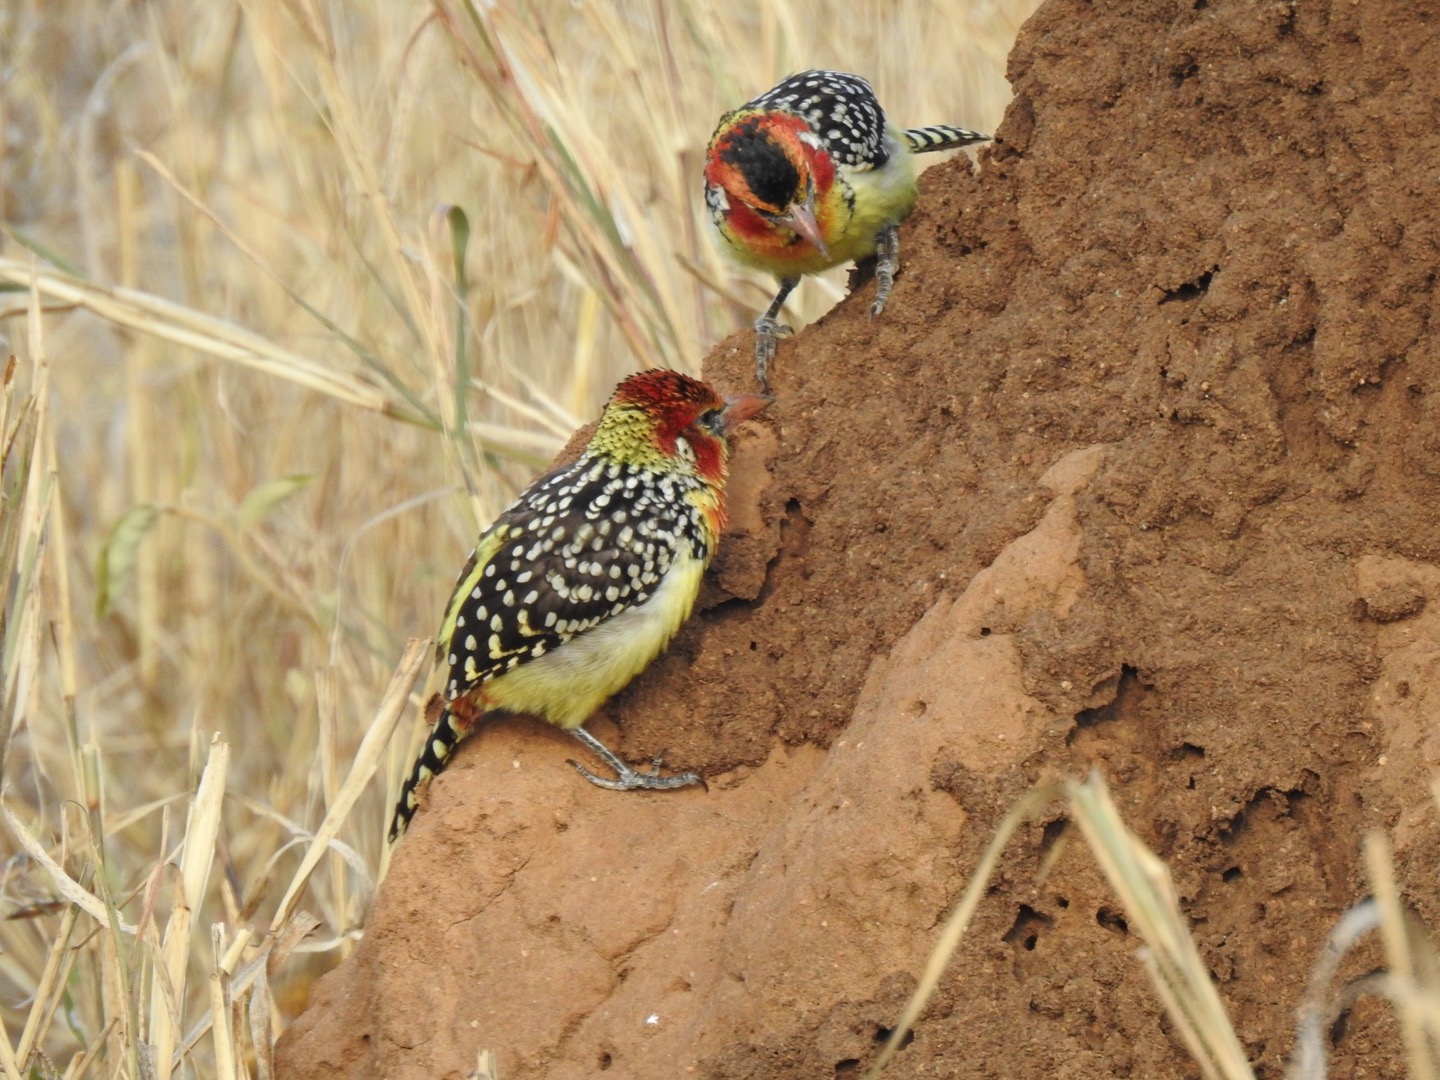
x,y
1139,471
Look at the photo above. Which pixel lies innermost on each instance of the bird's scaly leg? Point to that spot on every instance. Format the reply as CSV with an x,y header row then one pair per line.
x,y
887,262
629,779
768,332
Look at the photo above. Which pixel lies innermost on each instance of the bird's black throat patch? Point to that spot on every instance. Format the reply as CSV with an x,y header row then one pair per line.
x,y
772,176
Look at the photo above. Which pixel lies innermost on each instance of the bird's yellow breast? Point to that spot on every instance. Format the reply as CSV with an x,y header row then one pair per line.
x,y
567,685
878,198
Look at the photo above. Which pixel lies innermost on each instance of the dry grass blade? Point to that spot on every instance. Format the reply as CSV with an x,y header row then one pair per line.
x,y
1309,1060
1422,1000
81,1062
226,1052
1411,982
18,431
201,831
260,262
527,86
1143,886
959,921
486,1067
67,886
165,319
47,997
261,1008
7,1058
244,979
367,760
352,136
24,538
1400,951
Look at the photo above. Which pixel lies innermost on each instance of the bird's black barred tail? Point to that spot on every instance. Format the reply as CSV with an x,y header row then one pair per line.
x,y
941,137
439,745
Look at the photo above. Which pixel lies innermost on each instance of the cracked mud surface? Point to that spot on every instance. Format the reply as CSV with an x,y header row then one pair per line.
x,y
1139,471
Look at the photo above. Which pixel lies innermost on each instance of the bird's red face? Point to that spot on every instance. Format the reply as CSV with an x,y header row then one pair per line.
x,y
768,179
682,407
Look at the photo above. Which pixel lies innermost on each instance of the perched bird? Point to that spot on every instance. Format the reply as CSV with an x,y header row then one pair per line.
x,y
584,580
810,175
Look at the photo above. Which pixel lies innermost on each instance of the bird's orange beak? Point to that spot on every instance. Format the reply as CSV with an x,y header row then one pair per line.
x,y
800,219
740,408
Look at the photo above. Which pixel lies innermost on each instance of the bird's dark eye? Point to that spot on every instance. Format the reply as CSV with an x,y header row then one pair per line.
x,y
710,420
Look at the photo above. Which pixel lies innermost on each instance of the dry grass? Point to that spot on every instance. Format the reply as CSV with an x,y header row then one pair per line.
x,y
298,294
1142,884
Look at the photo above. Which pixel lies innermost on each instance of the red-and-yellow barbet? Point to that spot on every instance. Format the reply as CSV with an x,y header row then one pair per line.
x,y
811,175
588,575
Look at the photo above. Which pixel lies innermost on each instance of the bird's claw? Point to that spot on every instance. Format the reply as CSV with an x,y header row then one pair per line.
x,y
628,779
887,264
688,777
768,333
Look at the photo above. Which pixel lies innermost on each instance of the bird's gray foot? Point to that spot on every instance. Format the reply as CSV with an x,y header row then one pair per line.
x,y
628,779
768,332
887,264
